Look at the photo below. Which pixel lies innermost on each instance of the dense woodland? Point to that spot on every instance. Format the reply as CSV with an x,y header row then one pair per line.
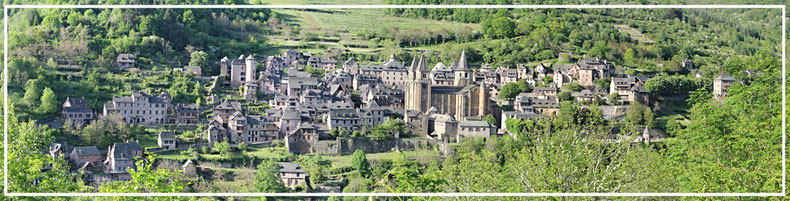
x,y
729,146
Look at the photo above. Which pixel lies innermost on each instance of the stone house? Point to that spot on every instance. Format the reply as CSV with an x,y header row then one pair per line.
x,y
125,61
475,129
140,108
327,64
545,92
351,66
585,96
184,114
292,174
629,89
122,156
721,84
251,129
85,155
226,108
289,56
301,139
189,169
363,79
194,70
77,111
442,75
166,140
288,121
508,76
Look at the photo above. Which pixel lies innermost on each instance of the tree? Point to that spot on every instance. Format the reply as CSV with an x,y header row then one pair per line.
x,y
565,96
32,92
509,91
243,146
200,58
30,169
267,178
147,179
500,27
523,86
105,130
639,114
572,87
223,148
389,128
359,162
490,119
630,56
614,98
49,102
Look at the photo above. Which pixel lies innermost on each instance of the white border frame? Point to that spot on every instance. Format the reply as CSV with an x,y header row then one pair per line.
x,y
5,102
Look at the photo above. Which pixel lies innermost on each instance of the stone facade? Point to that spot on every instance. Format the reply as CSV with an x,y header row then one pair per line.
x,y
140,108
77,111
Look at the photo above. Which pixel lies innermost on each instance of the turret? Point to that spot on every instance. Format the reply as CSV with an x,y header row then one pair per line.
x,y
250,69
461,71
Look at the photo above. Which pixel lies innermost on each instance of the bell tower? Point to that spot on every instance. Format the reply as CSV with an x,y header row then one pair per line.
x,y
462,71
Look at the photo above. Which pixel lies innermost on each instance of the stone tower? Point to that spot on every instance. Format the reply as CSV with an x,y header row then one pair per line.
x,y
462,71
418,87
250,69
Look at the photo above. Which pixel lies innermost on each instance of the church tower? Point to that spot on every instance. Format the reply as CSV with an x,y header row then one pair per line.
x,y
462,71
418,86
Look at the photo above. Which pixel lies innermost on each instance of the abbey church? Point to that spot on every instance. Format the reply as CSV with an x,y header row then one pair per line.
x,y
425,102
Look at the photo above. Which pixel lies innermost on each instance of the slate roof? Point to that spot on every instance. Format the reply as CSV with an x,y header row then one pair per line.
x,y
86,151
725,78
286,167
122,150
474,124
167,135
125,58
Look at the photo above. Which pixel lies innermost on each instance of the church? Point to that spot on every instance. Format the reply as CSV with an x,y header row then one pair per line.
x,y
463,100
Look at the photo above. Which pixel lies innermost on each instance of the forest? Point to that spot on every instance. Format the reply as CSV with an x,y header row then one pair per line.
x,y
728,146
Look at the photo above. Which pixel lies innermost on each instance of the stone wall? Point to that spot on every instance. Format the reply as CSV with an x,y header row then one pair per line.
x,y
347,145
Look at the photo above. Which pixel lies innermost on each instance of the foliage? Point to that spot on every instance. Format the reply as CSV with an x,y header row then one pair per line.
x,y
147,179
105,130
676,84
267,178
509,91
490,119
49,102
30,169
565,96
360,163
223,148
242,146
389,128
639,114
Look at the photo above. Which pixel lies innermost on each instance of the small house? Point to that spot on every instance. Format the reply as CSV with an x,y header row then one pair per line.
x,y
167,140
292,174
125,61
85,155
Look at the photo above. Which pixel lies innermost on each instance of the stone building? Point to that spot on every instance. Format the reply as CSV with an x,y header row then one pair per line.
x,y
391,72
629,89
125,61
183,113
239,70
474,129
462,100
140,108
85,155
251,129
292,175
166,140
721,84
327,64
121,156
77,111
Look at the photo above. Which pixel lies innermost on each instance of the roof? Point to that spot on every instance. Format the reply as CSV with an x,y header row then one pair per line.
x,y
290,167
125,58
474,124
725,78
167,135
124,149
227,105
86,151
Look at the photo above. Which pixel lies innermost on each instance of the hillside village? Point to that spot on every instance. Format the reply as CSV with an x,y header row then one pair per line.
x,y
391,106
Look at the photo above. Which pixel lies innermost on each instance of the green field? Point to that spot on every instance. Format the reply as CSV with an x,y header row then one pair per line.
x,y
338,161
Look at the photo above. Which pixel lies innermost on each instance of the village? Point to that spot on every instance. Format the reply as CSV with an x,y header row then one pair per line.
x,y
268,101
